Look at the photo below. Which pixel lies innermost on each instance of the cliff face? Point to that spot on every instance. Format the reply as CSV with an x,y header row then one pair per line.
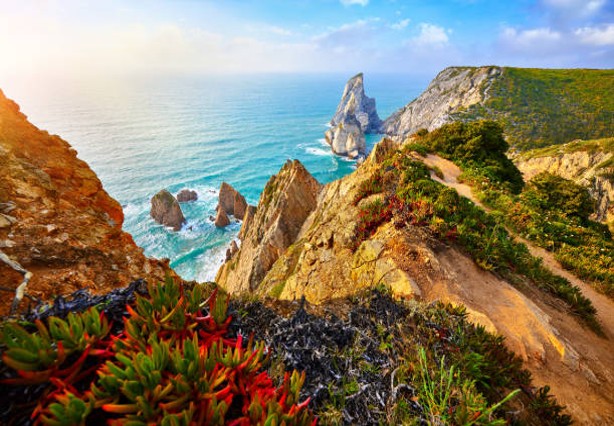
x,y
591,168
356,115
62,226
322,260
537,107
288,198
454,89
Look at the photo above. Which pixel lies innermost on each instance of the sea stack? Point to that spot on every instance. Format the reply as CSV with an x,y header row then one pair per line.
x,y
165,210
231,202
356,115
187,195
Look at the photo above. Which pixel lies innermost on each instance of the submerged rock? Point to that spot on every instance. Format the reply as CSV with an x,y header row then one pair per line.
x,y
186,195
165,210
355,116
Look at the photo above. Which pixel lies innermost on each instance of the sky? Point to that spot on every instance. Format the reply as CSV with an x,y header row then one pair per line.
x,y
84,38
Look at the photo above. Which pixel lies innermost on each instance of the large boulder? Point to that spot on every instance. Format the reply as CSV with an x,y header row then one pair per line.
x,y
231,201
221,218
355,116
165,210
186,195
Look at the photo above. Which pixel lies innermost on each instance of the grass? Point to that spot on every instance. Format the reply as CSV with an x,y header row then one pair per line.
x,y
540,107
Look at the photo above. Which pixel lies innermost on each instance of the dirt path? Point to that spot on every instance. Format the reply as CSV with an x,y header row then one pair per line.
x,y
604,306
586,384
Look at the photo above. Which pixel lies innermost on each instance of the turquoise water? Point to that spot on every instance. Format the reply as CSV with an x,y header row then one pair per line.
x,y
142,136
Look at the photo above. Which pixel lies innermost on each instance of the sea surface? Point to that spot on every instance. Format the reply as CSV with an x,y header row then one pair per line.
x,y
142,135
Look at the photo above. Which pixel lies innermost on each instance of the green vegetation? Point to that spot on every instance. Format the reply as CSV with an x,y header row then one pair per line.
x,y
409,198
171,365
605,145
551,211
540,107
478,145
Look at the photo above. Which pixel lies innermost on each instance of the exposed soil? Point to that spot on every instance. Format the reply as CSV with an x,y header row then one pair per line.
x,y
580,370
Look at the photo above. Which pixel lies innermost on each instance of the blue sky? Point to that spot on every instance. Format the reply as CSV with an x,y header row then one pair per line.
x,y
66,37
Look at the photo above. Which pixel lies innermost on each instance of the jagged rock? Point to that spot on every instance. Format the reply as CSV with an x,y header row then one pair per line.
x,y
354,103
68,230
583,166
186,195
247,220
356,115
347,138
221,218
165,210
453,90
232,250
232,201
285,203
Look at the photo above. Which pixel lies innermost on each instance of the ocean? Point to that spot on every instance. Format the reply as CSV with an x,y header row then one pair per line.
x,y
143,135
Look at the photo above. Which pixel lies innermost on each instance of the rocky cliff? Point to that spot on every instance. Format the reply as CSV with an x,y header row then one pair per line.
x,y
453,90
537,107
57,222
288,198
322,259
588,163
356,115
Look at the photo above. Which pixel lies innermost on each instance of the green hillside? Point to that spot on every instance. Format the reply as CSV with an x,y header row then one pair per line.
x,y
541,107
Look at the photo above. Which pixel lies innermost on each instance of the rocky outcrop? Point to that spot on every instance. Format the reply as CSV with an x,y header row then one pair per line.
x,y
453,90
231,201
355,116
165,210
221,218
322,262
288,198
186,195
585,167
58,222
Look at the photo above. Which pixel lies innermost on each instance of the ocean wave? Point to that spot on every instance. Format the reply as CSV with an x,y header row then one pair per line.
x,y
319,152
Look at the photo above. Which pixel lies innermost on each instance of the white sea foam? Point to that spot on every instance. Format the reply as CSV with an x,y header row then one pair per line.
x,y
319,152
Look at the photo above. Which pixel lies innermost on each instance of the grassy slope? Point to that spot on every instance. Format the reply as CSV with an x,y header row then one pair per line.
x,y
540,107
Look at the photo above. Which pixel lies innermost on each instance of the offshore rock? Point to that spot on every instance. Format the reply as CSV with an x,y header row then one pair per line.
x,y
231,201
356,115
165,210
67,230
221,218
186,195
288,198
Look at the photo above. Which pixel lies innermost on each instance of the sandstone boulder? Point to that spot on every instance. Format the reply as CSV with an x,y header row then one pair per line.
x,y
165,210
221,218
186,195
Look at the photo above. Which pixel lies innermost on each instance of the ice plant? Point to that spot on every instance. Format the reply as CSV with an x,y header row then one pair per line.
x,y
173,364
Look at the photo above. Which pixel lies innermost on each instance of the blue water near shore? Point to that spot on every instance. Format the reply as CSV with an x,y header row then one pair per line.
x,y
142,136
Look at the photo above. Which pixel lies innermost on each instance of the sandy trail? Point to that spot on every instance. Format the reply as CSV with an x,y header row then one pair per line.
x,y
581,374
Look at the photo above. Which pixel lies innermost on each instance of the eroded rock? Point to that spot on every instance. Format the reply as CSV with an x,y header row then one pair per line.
x,y
187,195
165,210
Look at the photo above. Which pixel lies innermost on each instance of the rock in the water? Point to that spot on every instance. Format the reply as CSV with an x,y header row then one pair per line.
x,y
165,209
355,116
285,203
231,201
354,103
186,195
221,218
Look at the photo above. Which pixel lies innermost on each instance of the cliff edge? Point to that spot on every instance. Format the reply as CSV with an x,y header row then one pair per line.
x,y
58,223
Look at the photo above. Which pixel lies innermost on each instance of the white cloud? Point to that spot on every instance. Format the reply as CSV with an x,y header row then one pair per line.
x,y
602,36
578,7
352,2
401,24
431,35
530,37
